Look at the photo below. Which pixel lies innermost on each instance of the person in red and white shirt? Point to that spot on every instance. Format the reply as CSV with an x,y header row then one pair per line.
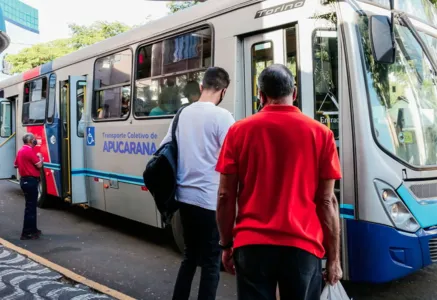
x,y
29,165
282,166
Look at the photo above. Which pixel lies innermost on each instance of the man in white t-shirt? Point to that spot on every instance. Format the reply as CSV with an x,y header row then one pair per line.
x,y
201,131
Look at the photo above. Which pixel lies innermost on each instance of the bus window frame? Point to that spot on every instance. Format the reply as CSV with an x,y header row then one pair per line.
x,y
49,98
206,25
22,105
118,85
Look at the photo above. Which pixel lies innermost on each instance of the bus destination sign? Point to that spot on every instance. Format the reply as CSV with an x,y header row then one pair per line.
x,y
279,8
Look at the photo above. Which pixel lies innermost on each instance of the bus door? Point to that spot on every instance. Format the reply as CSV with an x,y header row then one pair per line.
x,y
73,99
312,45
7,139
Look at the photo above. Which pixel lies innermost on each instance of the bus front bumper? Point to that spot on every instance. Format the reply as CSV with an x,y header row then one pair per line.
x,y
379,253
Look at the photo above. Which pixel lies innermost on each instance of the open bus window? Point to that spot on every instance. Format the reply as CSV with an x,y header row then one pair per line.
x,y
112,93
169,73
34,101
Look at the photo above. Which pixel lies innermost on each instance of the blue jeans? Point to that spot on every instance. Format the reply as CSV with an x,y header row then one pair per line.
x,y
202,248
260,268
29,185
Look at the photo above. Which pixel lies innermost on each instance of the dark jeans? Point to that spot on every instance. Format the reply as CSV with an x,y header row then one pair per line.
x,y
29,185
261,268
202,248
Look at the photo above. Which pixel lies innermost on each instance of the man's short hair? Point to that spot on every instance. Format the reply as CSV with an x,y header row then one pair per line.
x,y
216,79
276,81
28,137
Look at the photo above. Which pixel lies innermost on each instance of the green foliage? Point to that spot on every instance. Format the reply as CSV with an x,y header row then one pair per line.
x,y
177,6
81,36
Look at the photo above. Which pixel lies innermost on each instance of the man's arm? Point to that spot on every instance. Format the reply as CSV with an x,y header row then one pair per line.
x,y
227,206
40,161
327,210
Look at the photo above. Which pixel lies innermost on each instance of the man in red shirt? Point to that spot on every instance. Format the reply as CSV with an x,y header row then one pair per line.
x,y
29,165
282,166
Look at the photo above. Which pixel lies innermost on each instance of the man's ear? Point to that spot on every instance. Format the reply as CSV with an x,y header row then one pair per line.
x,y
295,94
262,99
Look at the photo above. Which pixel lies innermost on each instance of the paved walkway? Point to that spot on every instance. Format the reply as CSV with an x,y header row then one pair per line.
x,y
22,278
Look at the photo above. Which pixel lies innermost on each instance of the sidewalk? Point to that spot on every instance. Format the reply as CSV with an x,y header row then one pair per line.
x,y
23,278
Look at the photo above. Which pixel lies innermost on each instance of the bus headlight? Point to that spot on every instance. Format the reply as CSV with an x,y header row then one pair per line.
x,y
398,212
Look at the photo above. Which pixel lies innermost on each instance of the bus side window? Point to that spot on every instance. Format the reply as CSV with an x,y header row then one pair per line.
x,y
34,101
169,73
112,76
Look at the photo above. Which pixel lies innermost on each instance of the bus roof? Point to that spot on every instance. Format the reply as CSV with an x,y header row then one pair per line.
x,y
155,28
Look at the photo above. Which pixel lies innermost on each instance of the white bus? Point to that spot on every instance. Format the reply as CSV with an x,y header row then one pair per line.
x,y
366,69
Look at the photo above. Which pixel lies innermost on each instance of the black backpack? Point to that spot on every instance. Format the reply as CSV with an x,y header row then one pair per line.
x,y
161,173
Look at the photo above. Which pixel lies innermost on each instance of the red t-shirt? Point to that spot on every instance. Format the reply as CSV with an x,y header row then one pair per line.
x,y
279,155
26,162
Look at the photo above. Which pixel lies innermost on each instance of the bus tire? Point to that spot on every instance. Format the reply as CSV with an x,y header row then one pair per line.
x,y
178,232
44,201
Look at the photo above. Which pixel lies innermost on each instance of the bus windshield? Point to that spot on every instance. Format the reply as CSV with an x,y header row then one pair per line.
x,y
403,98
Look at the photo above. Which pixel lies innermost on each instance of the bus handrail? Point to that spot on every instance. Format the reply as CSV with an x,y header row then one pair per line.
x,y
7,140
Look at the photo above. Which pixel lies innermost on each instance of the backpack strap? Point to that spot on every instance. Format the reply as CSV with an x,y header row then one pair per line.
x,y
175,125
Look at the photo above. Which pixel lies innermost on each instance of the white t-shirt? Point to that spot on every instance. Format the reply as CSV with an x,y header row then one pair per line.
x,y
201,131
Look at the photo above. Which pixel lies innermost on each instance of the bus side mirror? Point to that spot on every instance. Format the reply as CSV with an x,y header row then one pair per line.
x,y
382,39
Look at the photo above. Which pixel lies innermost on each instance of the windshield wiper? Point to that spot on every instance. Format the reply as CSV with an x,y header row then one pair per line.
x,y
407,22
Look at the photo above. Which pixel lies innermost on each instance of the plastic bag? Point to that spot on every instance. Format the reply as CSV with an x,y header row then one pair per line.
x,y
335,292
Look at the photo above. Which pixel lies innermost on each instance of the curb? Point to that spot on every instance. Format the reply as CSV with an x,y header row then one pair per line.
x,y
67,273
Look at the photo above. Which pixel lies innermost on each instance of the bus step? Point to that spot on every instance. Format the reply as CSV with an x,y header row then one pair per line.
x,y
67,199
14,181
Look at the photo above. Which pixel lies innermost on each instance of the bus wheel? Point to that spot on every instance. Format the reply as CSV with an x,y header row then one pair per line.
x,y
44,200
178,234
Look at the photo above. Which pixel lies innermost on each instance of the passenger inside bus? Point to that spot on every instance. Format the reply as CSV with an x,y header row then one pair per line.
x,y
192,91
125,107
169,101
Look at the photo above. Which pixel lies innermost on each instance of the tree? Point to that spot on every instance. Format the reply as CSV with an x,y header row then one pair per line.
x,y
175,6
81,36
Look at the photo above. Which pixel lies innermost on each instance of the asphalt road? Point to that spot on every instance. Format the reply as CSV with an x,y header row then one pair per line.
x,y
141,261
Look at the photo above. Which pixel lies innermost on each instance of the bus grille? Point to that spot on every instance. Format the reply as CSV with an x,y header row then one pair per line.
x,y
433,249
424,191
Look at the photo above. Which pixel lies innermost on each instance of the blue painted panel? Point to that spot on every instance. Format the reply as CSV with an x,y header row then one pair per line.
x,y
2,21
426,215
46,68
379,253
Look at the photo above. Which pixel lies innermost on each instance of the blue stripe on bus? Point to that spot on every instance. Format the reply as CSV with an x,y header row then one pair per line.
x,y
347,217
108,175
348,206
347,211
52,165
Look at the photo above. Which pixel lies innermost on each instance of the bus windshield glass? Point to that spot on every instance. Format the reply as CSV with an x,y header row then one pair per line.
x,y
403,98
